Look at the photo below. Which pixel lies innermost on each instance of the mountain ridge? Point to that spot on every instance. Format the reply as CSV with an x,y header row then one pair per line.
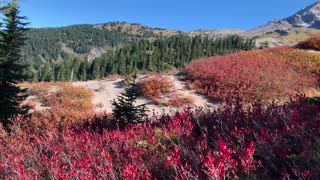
x,y
308,17
89,41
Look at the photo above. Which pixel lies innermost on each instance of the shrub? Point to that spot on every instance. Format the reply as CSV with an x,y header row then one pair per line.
x,y
312,43
232,142
68,104
180,101
71,104
303,62
155,86
259,75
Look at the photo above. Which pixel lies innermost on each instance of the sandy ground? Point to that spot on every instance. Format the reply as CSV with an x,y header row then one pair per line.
x,y
105,91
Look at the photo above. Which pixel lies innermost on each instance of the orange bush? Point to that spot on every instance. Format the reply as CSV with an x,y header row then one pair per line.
x,y
155,86
72,104
68,104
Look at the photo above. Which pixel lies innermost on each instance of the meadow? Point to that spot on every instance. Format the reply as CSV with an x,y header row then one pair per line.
x,y
266,126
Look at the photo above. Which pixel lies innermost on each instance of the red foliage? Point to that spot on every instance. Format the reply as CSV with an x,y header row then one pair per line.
x,y
312,43
233,142
259,75
155,86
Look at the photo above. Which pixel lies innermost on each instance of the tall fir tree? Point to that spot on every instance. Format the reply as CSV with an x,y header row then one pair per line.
x,y
11,66
82,74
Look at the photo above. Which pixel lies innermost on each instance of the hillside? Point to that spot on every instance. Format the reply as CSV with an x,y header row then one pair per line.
x,y
127,47
291,30
274,74
138,30
85,41
308,17
283,72
137,55
90,41
290,36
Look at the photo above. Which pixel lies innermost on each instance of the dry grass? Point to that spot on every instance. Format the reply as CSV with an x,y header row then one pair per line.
x,y
312,93
137,29
293,36
179,101
68,104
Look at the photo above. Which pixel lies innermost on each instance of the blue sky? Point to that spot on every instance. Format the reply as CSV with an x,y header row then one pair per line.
x,y
184,15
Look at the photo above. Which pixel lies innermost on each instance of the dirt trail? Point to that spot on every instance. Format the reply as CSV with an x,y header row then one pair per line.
x,y
105,91
199,101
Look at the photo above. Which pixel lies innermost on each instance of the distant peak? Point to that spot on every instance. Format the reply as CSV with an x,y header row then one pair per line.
x,y
307,17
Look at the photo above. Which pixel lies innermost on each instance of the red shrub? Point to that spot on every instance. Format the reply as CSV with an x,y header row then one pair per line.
x,y
312,43
155,86
258,75
303,62
233,142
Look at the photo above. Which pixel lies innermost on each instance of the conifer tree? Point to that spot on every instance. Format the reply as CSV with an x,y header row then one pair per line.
x,y
124,109
11,66
82,75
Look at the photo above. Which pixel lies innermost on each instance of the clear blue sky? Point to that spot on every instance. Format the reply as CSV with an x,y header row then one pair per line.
x,y
184,15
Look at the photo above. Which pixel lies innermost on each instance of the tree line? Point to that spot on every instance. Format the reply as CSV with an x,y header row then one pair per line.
x,y
140,56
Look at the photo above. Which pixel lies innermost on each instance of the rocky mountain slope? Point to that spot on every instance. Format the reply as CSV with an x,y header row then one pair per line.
x,y
308,17
288,31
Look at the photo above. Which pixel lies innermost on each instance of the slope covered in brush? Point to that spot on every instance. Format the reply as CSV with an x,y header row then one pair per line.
x,y
258,75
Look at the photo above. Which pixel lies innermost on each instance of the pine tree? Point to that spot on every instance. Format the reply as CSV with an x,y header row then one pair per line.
x,y
124,109
121,69
11,67
82,75
95,68
47,74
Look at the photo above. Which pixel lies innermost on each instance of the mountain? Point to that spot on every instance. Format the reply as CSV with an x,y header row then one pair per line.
x,y
91,41
270,27
308,17
288,31
215,33
49,48
94,51
85,41
138,29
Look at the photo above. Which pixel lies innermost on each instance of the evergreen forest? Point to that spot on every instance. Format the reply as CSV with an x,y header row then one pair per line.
x,y
61,54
